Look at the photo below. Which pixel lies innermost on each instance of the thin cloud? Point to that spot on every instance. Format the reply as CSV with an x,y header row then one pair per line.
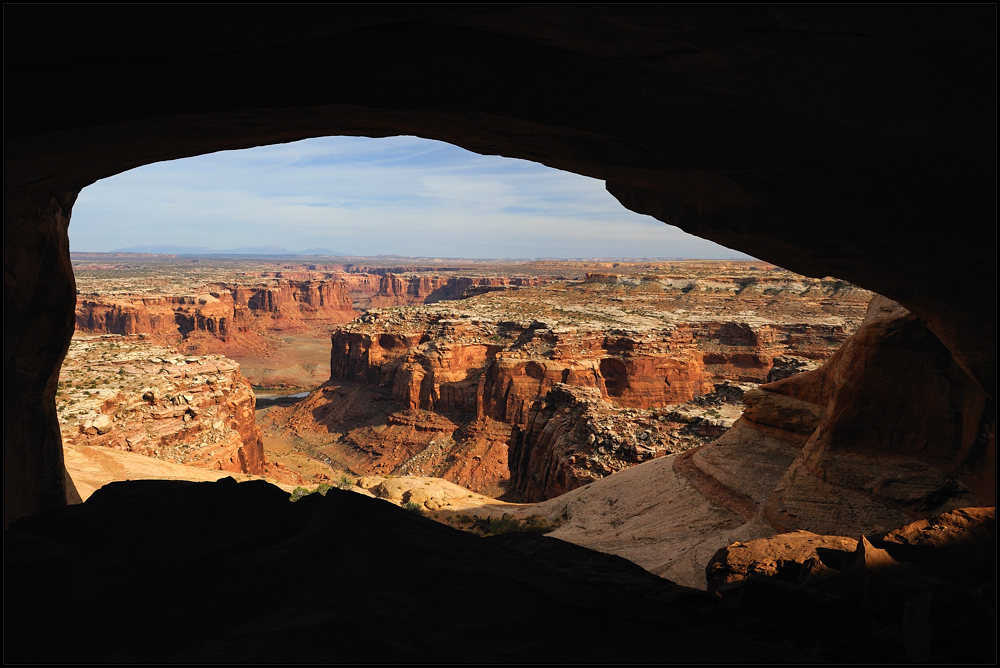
x,y
398,195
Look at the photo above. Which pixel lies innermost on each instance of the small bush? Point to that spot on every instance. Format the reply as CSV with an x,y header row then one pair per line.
x,y
298,493
345,482
495,526
414,507
505,524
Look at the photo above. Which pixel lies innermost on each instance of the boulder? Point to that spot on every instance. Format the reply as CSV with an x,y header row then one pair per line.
x,y
784,556
103,424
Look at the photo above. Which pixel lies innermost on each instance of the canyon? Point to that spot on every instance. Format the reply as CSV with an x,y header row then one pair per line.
x,y
562,398
520,381
531,393
251,310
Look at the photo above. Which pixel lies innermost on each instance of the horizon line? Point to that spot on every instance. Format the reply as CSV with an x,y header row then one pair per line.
x,y
431,258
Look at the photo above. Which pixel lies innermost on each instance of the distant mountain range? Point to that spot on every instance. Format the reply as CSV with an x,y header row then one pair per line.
x,y
242,250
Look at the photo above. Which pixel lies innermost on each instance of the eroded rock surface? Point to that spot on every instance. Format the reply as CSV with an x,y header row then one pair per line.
x,y
838,461
124,393
225,312
540,391
934,580
761,476
397,290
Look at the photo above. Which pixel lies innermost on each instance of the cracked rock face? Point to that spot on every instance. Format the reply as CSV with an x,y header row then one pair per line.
x,y
128,394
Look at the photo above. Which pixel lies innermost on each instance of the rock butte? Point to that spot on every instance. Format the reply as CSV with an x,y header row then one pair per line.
x,y
235,307
226,312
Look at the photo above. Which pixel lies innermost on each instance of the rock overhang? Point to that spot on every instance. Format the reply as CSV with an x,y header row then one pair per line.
x,y
814,137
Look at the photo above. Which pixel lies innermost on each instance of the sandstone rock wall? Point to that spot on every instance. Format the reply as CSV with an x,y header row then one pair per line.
x,y
222,311
901,420
453,365
435,365
395,289
188,410
360,286
527,375
887,430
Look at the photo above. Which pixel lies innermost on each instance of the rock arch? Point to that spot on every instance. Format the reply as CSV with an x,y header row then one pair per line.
x,y
828,140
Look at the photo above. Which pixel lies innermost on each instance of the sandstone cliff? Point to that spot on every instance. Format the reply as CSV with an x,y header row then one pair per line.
x,y
411,288
140,398
222,311
450,362
509,369
820,451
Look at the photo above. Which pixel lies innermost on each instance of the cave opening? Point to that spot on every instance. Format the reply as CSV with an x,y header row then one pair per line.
x,y
278,308
416,193
815,138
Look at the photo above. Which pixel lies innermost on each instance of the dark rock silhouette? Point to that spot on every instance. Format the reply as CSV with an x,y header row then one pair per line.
x,y
157,571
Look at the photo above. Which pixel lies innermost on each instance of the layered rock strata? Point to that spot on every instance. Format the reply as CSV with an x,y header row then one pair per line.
x,y
129,395
515,374
397,290
820,451
221,311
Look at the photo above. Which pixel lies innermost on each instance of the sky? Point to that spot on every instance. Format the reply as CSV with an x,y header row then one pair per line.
x,y
359,196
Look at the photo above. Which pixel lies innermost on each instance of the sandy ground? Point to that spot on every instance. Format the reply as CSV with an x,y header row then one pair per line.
x,y
90,468
648,514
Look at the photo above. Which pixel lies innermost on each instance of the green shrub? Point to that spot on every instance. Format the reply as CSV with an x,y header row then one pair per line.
x,y
298,493
345,482
495,526
505,524
414,507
